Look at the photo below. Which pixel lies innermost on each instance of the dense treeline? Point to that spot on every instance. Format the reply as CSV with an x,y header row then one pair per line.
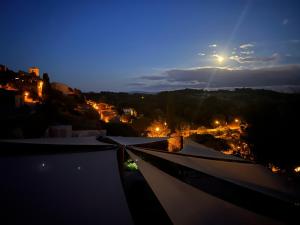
x,y
273,117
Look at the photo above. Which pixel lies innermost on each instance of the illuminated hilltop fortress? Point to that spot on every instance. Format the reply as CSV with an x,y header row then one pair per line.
x,y
34,70
27,84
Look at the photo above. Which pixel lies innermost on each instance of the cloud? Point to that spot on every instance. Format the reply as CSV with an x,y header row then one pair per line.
x,y
136,84
252,59
236,58
294,41
247,52
273,57
155,77
213,45
246,46
201,54
224,77
285,21
218,57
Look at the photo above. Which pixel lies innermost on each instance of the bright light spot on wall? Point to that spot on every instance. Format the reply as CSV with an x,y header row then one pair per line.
x,y
297,169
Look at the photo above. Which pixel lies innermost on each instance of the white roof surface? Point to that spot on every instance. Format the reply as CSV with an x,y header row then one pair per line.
x,y
190,206
59,141
249,175
135,140
192,148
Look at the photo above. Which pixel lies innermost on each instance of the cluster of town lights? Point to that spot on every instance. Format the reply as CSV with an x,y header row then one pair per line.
x,y
157,129
217,122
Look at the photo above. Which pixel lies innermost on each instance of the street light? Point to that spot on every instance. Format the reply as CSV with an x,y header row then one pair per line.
x,y
157,129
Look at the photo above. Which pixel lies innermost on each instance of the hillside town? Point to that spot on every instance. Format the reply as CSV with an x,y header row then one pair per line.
x,y
108,113
27,97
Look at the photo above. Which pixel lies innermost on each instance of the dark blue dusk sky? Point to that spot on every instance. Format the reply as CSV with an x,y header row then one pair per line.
x,y
137,45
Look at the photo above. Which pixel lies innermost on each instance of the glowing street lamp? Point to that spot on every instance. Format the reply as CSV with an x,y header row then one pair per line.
x,y
217,122
157,129
236,120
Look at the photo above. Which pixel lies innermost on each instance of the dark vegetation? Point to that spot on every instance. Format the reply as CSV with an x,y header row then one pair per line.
x,y
119,129
210,141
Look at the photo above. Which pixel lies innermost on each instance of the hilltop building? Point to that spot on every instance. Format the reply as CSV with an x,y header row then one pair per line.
x,y
63,88
34,70
28,83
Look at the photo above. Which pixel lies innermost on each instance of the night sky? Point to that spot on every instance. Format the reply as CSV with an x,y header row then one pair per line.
x,y
154,45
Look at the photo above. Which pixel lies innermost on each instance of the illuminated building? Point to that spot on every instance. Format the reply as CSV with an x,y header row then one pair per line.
x,y
34,70
125,119
157,129
108,113
40,88
63,88
130,111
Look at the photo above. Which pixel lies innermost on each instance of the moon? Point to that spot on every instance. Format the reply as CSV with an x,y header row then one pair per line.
x,y
220,58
